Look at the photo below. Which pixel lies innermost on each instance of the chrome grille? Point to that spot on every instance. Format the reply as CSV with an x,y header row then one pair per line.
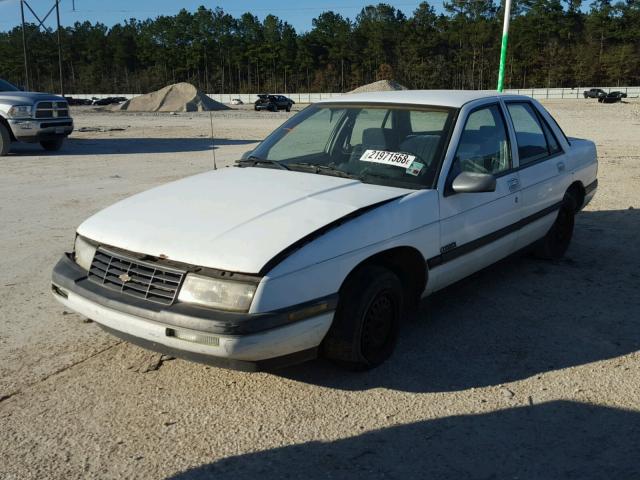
x,y
134,277
52,110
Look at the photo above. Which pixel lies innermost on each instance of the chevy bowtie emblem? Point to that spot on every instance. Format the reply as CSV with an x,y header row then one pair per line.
x,y
124,277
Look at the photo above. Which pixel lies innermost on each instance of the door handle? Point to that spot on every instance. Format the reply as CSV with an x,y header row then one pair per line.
x,y
560,166
514,184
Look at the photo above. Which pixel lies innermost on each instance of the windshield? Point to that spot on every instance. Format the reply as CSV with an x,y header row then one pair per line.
x,y
7,87
389,145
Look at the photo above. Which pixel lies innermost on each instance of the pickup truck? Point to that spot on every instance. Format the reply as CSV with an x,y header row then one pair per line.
x,y
33,118
594,93
325,236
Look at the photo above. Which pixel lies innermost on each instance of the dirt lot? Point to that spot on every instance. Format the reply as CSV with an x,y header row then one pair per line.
x,y
528,370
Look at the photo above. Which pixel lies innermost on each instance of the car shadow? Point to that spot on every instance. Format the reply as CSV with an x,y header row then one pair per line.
x,y
120,145
516,319
559,439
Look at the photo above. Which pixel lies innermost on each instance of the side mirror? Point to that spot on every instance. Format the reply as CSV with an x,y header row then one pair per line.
x,y
246,154
470,182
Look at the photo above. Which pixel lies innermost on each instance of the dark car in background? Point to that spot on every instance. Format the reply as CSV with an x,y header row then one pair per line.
x,y
594,93
273,103
612,97
108,100
77,101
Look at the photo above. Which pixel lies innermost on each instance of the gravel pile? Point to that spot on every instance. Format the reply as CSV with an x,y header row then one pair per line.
x,y
380,86
180,97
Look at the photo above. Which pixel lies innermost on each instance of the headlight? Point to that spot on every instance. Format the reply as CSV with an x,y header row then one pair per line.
x,y
19,111
83,252
215,293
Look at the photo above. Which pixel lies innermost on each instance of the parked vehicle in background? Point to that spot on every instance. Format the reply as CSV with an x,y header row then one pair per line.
x,y
612,97
33,118
236,101
108,101
273,103
594,93
78,101
364,204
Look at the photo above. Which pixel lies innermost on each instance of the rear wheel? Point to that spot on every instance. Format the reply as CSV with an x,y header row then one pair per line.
x,y
52,145
366,325
555,243
5,140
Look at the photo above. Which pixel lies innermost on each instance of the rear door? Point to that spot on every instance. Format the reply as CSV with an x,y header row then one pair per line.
x,y
477,229
543,170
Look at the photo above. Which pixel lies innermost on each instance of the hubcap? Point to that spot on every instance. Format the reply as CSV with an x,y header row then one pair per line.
x,y
378,324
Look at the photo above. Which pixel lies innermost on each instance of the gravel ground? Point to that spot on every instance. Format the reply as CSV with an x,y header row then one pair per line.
x,y
527,370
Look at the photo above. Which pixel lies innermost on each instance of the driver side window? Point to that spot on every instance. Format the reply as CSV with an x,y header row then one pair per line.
x,y
484,143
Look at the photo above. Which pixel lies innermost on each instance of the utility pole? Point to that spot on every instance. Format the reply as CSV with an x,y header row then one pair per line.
x,y
59,48
41,24
503,50
24,48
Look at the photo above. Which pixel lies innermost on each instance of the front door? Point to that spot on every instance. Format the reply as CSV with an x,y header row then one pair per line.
x,y
477,229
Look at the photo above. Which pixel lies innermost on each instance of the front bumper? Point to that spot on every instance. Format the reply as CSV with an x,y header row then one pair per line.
x,y
259,341
33,131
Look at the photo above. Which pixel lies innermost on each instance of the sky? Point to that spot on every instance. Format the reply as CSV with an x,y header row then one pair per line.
x,y
298,13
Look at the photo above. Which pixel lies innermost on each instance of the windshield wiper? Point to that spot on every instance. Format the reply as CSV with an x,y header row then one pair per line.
x,y
321,169
254,161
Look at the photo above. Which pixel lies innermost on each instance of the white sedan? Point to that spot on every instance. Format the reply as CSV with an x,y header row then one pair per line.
x,y
322,239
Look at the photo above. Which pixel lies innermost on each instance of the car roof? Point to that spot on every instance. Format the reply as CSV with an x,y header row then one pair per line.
x,y
443,98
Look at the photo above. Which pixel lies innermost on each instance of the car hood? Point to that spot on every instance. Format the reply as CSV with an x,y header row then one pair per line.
x,y
28,97
234,219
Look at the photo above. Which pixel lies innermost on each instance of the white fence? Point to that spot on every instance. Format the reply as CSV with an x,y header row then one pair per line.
x,y
539,93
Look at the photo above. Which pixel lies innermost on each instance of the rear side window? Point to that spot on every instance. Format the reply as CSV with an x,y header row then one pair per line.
x,y
309,137
534,137
427,121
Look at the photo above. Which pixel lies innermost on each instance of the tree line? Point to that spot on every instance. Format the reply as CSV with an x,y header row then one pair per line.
x,y
552,43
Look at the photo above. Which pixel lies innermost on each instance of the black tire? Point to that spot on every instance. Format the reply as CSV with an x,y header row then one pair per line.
x,y
555,243
52,145
288,109
367,320
5,140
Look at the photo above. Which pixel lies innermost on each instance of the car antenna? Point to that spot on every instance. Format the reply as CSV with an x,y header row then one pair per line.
x,y
213,142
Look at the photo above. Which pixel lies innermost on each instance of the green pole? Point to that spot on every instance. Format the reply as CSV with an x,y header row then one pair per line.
x,y
505,38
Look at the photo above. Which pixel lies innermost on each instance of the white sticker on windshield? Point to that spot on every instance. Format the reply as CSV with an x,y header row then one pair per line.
x,y
415,168
402,160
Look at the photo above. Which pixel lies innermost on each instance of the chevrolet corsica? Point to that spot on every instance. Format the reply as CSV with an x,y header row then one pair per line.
x,y
321,239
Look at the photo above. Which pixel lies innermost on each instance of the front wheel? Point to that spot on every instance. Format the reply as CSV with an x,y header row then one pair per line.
x,y
555,243
52,145
5,140
367,320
